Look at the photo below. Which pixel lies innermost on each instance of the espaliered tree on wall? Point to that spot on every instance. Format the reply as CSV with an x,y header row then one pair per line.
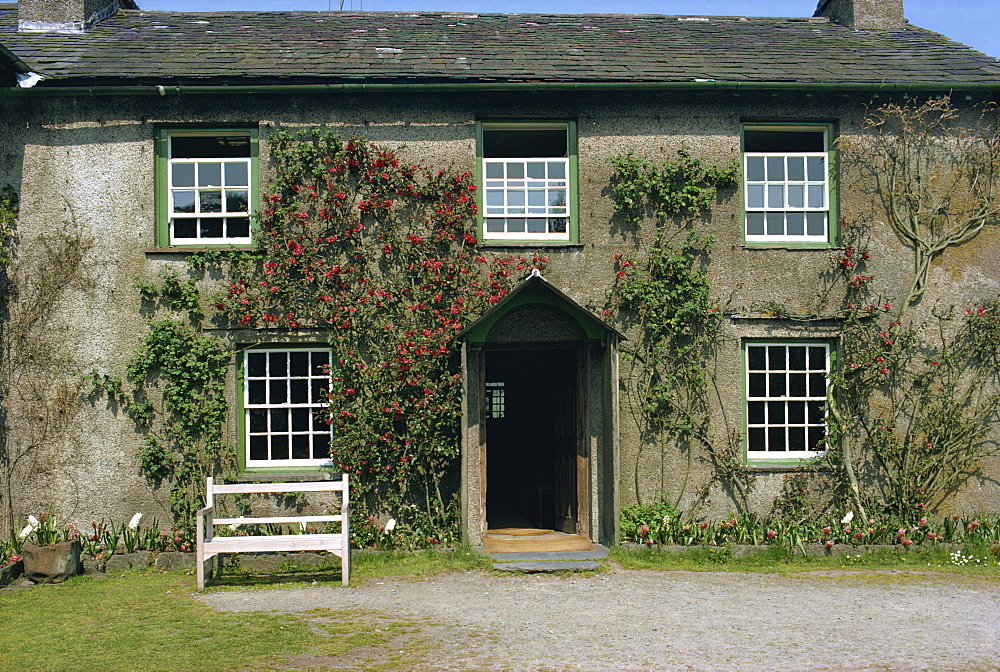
x,y
382,255
914,401
663,296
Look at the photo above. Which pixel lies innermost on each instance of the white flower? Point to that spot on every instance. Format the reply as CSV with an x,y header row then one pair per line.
x,y
232,527
302,526
390,525
23,534
848,518
32,521
134,523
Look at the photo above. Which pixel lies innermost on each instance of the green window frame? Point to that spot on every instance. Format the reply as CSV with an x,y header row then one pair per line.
x,y
280,388
786,384
789,185
527,182
207,186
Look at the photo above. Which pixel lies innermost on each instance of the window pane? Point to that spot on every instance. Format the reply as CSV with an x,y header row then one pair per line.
x,y
209,146
796,223
755,168
185,228
775,196
536,170
319,361
796,358
279,420
301,419
755,358
237,175
557,198
258,420
278,392
182,175
796,168
238,227
319,391
209,174
796,196
776,357
515,225
816,168
536,197
775,223
515,198
816,223
776,168
318,423
775,384
817,438
299,390
515,170
298,364
494,225
536,226
755,223
300,447
236,201
256,390
211,227
796,438
755,196
796,412
321,446
557,170
817,385
210,201
279,447
758,386
258,448
817,196
796,384
277,364
558,224
817,358
776,438
755,413
257,364
776,412
756,439
183,201
816,412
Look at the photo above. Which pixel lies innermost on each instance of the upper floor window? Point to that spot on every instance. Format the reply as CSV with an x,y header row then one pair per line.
x,y
208,189
787,184
528,176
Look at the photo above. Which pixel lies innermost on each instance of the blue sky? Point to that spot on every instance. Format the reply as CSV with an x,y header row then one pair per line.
x,y
972,22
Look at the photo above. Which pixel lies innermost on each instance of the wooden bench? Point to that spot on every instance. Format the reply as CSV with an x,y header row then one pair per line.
x,y
209,545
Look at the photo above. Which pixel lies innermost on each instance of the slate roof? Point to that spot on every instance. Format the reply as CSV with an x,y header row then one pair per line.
x,y
173,48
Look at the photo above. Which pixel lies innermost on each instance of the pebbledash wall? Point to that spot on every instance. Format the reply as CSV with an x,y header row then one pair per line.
x,y
90,162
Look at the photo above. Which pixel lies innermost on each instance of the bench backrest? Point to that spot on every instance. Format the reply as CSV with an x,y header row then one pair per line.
x,y
341,486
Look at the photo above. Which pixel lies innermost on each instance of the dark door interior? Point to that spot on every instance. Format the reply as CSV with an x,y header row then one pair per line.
x,y
531,433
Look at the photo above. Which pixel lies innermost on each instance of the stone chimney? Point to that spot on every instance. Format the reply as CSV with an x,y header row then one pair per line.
x,y
66,16
864,14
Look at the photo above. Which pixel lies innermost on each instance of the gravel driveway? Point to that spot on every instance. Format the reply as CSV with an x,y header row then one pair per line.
x,y
648,620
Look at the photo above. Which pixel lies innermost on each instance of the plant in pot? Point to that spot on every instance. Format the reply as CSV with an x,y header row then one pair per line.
x,y
49,556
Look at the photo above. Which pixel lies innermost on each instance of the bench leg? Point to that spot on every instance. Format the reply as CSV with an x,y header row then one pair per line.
x,y
345,567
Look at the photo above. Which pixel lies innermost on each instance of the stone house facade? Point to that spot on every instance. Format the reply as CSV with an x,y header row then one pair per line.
x,y
148,132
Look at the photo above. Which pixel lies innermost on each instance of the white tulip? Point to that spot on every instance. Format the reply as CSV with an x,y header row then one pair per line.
x,y
390,525
134,523
23,534
32,521
848,518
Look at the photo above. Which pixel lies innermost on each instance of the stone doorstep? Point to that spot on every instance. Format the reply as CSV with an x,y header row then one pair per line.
x,y
598,553
543,566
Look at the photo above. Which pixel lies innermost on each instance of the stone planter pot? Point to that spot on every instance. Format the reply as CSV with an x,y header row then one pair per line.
x,y
53,563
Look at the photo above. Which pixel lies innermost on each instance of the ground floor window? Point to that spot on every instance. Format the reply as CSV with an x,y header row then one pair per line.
x,y
786,390
283,389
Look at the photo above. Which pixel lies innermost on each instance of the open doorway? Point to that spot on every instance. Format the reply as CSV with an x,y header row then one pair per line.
x,y
532,414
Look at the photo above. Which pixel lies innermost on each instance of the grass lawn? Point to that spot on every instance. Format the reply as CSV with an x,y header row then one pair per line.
x,y
150,621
